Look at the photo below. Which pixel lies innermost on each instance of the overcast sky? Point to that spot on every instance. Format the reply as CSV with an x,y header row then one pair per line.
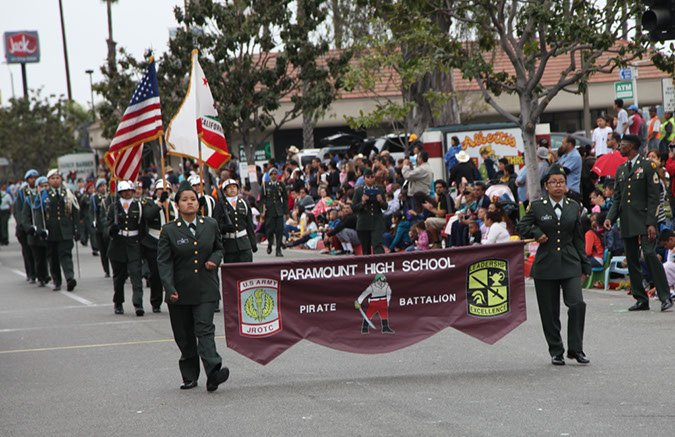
x,y
137,25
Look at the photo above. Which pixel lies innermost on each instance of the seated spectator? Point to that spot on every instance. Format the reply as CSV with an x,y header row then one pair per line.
x,y
496,232
324,204
475,235
310,231
598,201
668,241
345,231
393,206
401,240
594,247
333,221
421,237
608,193
305,199
444,206
416,210
613,241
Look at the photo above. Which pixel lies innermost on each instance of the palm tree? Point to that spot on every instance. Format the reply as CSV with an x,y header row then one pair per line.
x,y
112,58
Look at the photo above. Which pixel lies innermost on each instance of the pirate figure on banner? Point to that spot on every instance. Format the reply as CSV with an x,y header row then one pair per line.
x,y
235,221
99,210
378,302
206,202
124,228
27,191
62,211
154,217
35,224
274,201
554,221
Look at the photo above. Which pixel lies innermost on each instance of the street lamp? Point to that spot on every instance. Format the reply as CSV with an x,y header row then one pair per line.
x,y
91,87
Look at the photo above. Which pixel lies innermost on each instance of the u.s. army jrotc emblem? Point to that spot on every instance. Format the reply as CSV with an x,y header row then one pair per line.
x,y
487,288
259,314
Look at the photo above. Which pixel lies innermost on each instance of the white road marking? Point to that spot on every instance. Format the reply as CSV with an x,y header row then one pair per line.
x,y
119,322
19,272
69,307
77,298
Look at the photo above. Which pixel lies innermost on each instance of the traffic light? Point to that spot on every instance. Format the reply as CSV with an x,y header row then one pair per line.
x,y
659,19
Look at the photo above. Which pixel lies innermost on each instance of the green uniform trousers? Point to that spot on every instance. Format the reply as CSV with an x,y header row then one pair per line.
x,y
103,241
39,254
548,299
60,254
122,271
156,288
27,253
5,214
194,332
242,256
371,240
274,226
632,247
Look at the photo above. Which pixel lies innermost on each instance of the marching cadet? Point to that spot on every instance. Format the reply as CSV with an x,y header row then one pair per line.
x,y
124,227
206,202
188,256
62,211
87,220
368,204
154,217
21,202
34,221
139,192
554,221
235,221
274,201
99,210
637,181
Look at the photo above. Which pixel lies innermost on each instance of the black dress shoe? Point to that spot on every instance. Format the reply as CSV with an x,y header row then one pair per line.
x,y
640,306
41,284
218,378
70,284
94,253
140,311
119,309
107,275
156,310
279,253
188,385
558,360
269,248
57,287
579,356
31,281
217,310
666,304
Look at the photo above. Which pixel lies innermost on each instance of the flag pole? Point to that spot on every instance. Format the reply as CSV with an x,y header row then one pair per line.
x,y
161,154
201,172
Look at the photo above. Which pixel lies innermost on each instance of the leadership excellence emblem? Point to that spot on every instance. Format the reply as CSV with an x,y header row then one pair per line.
x,y
488,288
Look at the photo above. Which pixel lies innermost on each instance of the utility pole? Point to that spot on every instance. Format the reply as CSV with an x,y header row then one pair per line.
x,y
91,87
65,52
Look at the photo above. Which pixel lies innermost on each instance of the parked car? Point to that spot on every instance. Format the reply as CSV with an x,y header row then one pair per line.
x,y
306,155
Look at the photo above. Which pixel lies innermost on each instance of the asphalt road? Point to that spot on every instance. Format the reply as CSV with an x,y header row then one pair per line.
x,y
70,367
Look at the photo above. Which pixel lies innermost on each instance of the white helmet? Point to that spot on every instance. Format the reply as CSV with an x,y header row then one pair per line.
x,y
125,186
231,182
159,185
194,180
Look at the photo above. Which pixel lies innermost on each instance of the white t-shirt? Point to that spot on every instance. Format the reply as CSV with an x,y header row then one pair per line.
x,y
621,120
599,138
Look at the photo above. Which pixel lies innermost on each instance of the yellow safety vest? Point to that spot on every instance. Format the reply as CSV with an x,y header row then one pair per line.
x,y
672,132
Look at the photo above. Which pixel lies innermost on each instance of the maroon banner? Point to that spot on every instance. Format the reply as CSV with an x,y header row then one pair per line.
x,y
373,304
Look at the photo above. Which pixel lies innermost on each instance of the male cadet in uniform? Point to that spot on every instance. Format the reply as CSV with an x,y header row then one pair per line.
x,y
233,215
368,204
378,302
554,221
99,210
636,199
124,227
22,202
154,217
35,225
206,202
87,219
62,213
274,200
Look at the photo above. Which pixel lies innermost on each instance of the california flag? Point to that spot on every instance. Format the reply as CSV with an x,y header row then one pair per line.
x,y
198,118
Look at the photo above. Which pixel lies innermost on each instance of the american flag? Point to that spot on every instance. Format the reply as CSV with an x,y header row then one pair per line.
x,y
142,122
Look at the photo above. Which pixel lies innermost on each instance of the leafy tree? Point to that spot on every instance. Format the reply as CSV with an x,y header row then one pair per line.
x,y
532,33
36,131
404,53
256,55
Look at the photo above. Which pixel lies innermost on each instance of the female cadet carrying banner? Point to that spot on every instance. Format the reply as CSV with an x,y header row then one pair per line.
x,y
554,221
188,255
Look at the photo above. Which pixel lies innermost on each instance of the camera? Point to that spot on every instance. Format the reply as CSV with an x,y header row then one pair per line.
x,y
371,192
671,146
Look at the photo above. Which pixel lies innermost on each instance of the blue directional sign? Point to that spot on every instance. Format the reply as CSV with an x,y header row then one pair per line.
x,y
626,73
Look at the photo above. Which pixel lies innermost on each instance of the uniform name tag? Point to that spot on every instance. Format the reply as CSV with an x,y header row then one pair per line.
x,y
182,241
546,217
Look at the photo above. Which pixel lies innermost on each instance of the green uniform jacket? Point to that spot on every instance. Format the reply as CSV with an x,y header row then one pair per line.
x,y
125,248
636,198
22,197
181,257
99,210
368,215
33,217
154,216
274,198
85,208
60,222
243,237
563,256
